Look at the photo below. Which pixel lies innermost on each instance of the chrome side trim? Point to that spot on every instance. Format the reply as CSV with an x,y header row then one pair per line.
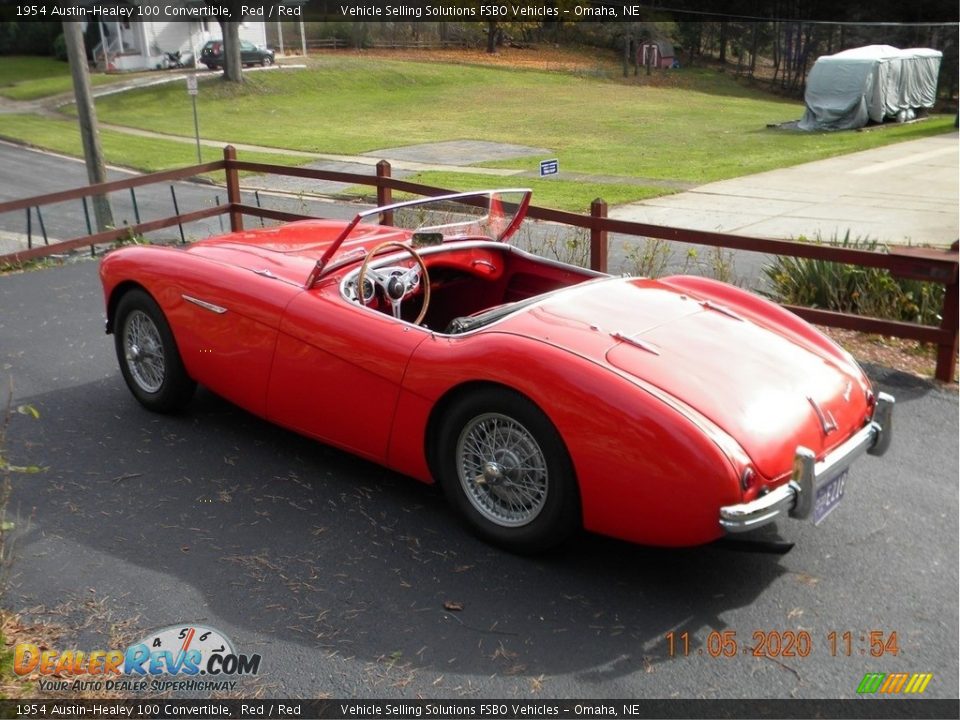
x,y
795,498
204,304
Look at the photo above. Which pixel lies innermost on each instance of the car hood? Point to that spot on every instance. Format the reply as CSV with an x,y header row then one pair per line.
x,y
761,384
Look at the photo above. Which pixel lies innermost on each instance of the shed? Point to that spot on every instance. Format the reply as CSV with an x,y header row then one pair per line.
x,y
871,83
659,52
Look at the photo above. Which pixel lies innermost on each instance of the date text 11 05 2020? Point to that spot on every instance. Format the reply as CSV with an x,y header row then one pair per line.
x,y
784,643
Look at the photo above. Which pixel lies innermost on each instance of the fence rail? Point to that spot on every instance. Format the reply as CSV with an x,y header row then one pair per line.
x,y
931,265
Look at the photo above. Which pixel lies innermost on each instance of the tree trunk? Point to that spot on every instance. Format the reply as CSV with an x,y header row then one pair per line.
x,y
723,42
491,36
809,47
626,54
787,55
776,53
232,67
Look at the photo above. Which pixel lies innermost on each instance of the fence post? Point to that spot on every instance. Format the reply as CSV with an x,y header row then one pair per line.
x,y
384,193
233,189
598,236
947,350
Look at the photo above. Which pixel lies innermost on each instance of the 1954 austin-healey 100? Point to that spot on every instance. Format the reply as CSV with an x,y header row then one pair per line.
x,y
541,396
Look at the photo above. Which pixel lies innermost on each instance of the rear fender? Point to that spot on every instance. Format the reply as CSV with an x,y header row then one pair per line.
x,y
646,472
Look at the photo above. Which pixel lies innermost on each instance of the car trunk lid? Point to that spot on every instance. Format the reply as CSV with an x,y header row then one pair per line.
x,y
767,392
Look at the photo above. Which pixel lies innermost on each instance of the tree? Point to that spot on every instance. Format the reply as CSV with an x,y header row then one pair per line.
x,y
230,29
493,30
232,65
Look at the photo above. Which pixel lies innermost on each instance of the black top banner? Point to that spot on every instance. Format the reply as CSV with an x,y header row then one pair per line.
x,y
918,12
478,709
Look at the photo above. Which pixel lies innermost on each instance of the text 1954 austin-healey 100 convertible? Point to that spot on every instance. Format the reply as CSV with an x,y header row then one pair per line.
x,y
541,396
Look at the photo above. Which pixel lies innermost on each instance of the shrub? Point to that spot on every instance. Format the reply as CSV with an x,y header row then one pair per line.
x,y
568,245
60,48
28,38
873,292
654,258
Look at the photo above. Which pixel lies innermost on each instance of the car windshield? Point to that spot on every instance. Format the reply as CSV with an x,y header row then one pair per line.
x,y
480,215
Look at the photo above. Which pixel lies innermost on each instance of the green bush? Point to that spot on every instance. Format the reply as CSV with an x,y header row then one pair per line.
x,y
872,292
28,38
60,48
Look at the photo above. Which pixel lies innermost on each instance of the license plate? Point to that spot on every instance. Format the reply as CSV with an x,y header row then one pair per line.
x,y
828,496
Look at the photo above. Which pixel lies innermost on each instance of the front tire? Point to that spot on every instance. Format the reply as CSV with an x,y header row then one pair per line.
x,y
148,355
504,467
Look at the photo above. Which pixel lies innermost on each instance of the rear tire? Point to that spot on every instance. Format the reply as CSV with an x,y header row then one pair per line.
x,y
504,467
148,354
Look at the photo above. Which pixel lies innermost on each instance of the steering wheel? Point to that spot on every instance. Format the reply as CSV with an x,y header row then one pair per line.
x,y
396,287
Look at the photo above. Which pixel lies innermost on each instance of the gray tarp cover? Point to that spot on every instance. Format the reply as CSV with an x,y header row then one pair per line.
x,y
846,90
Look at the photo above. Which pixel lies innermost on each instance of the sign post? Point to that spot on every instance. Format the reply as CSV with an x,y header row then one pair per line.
x,y
192,91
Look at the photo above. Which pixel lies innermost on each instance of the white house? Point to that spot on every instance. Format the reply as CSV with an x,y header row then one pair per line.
x,y
127,45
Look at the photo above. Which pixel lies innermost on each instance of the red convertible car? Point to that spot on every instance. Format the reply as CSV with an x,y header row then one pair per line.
x,y
541,396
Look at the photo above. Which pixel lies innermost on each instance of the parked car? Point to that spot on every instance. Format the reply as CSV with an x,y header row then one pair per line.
x,y
542,397
212,54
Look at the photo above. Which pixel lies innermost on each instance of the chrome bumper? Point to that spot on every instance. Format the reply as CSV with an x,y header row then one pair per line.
x,y
795,498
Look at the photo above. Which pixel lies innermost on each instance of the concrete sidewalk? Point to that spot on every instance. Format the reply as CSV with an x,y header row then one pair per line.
x,y
902,193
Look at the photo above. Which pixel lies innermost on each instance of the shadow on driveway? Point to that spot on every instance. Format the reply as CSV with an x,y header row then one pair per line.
x,y
292,540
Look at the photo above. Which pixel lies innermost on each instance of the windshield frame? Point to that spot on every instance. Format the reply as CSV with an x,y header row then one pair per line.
x,y
502,236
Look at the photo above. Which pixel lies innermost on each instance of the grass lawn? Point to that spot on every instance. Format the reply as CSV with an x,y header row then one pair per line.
x,y
30,78
147,154
572,196
693,125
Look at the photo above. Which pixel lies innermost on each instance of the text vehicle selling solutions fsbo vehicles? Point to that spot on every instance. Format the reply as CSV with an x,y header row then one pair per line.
x,y
541,396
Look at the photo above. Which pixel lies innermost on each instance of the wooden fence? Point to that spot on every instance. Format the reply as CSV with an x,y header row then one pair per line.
x,y
931,265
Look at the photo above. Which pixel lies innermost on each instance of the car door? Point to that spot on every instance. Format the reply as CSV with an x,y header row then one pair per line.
x,y
248,53
337,370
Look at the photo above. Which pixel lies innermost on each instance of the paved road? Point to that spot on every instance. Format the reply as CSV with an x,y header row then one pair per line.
x,y
25,173
337,571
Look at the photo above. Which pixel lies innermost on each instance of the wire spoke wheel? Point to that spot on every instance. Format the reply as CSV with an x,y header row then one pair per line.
x,y
502,470
505,468
143,351
148,355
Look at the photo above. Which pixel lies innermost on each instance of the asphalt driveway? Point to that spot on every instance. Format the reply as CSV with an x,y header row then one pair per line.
x,y
341,574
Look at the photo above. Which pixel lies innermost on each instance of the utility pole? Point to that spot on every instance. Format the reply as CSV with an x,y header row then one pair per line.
x,y
87,115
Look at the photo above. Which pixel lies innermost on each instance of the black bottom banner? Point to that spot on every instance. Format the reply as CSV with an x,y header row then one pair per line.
x,y
479,709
